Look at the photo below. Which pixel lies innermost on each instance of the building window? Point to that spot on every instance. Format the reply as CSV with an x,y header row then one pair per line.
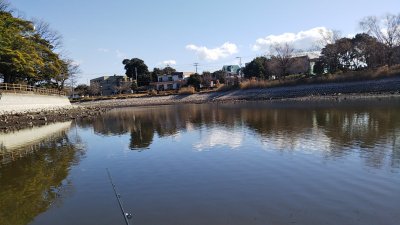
x,y
169,78
170,87
160,79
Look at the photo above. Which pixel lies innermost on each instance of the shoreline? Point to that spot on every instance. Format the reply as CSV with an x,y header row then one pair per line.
x,y
318,94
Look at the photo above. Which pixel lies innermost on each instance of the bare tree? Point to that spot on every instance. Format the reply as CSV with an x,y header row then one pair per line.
x,y
329,37
4,5
326,37
95,88
282,56
43,29
124,86
386,30
70,72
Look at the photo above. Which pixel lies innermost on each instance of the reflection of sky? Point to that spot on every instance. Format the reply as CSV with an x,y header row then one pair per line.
x,y
220,137
314,141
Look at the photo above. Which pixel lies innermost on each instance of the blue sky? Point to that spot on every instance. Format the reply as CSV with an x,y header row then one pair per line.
x,y
100,34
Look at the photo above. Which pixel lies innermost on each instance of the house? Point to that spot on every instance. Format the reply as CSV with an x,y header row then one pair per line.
x,y
109,85
300,65
232,74
172,81
231,70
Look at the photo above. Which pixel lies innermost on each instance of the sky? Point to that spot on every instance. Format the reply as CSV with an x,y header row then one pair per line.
x,y
99,34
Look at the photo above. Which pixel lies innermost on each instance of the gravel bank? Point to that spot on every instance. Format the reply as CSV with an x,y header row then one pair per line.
x,y
387,87
16,121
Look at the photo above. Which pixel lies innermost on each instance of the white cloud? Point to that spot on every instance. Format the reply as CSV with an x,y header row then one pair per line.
x,y
220,137
77,62
214,54
120,54
170,62
303,40
103,50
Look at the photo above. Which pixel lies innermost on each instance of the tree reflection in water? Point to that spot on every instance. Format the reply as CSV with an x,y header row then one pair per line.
x,y
338,129
29,185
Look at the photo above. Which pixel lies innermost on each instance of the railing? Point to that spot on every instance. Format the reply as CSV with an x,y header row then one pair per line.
x,y
19,88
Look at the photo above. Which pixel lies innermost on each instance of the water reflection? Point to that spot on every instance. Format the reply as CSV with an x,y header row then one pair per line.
x,y
35,165
337,130
220,137
22,142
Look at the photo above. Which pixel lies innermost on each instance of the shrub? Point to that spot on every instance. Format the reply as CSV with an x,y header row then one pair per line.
x,y
152,92
187,90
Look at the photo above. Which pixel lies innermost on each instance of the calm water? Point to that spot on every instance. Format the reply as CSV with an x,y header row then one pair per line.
x,y
247,163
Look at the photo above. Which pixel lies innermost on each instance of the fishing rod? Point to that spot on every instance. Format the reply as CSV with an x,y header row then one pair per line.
x,y
127,216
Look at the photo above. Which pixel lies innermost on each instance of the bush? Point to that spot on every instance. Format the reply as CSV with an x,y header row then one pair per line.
x,y
187,90
152,92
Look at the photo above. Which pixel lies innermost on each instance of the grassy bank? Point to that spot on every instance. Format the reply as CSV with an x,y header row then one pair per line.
x,y
378,73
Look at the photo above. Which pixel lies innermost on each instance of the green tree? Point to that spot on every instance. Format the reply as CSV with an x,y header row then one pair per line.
x,y
168,70
319,67
155,73
27,55
256,68
82,89
137,65
219,75
194,80
369,50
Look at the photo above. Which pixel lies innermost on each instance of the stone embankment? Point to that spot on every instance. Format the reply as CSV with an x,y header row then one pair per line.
x,y
11,103
16,121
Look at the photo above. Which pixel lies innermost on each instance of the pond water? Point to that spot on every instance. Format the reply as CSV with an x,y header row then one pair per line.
x,y
243,163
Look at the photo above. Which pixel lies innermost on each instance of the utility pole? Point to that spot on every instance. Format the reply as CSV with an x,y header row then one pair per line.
x,y
240,64
136,76
196,65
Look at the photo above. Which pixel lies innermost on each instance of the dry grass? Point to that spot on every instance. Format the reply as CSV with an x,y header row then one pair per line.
x,y
152,92
373,74
224,87
187,90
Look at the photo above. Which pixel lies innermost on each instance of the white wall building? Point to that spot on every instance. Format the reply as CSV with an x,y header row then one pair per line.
x,y
172,81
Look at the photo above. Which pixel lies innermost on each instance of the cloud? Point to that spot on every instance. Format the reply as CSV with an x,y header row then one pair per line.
x,y
77,62
170,62
103,50
214,54
303,40
220,137
120,54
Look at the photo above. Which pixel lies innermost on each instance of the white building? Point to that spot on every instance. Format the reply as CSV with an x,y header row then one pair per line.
x,y
172,81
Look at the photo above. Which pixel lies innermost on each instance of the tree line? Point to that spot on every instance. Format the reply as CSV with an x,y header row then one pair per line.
x,y
136,66
30,52
378,45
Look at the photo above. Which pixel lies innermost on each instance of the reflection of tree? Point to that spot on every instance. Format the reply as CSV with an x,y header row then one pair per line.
x,y
345,126
366,128
31,184
141,134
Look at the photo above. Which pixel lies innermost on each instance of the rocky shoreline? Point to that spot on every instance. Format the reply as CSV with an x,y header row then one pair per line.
x,y
17,121
318,93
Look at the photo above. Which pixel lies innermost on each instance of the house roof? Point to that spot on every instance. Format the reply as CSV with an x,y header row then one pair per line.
x,y
231,68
